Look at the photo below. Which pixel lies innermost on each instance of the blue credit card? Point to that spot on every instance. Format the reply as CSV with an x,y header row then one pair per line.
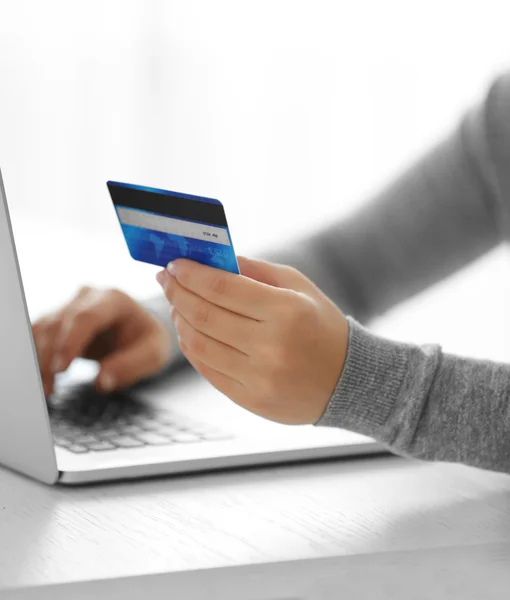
x,y
160,226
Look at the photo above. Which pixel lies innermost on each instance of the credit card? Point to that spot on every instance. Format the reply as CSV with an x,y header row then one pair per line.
x,y
160,226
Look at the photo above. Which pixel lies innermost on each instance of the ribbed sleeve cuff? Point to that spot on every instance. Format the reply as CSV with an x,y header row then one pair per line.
x,y
369,386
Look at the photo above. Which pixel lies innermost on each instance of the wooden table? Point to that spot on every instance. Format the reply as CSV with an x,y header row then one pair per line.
x,y
368,528
381,527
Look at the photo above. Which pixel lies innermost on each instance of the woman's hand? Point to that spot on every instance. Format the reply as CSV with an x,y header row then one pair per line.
x,y
107,326
269,339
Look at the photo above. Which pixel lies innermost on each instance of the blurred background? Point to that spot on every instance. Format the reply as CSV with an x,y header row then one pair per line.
x,y
264,105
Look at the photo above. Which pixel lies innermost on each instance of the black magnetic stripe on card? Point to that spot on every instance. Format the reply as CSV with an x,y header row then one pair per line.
x,y
169,205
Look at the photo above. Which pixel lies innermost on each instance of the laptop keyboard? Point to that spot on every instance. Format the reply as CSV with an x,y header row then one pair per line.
x,y
82,420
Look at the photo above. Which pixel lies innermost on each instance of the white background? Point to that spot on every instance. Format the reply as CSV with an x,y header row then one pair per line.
x,y
267,105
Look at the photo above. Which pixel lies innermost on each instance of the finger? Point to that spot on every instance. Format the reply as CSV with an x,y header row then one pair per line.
x,y
223,325
253,270
83,320
47,330
214,354
223,383
236,293
132,364
278,275
44,332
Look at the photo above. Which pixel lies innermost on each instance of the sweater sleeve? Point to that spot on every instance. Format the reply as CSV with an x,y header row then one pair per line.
x,y
417,400
423,403
440,214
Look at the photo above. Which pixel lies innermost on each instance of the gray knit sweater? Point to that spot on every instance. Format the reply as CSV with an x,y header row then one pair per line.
x,y
446,210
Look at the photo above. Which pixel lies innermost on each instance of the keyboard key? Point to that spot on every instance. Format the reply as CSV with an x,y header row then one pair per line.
x,y
99,446
77,448
185,438
65,429
125,442
128,429
106,434
150,425
63,442
140,419
168,431
153,439
84,439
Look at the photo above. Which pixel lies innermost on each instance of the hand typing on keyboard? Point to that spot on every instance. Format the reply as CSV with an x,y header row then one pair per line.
x,y
104,325
129,345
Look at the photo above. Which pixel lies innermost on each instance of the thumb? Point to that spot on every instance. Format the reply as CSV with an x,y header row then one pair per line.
x,y
276,275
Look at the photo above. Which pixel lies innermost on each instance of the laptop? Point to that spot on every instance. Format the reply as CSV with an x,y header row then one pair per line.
x,y
175,423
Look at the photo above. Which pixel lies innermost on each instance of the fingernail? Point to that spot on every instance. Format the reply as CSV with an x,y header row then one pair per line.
x,y
171,268
161,277
57,364
107,382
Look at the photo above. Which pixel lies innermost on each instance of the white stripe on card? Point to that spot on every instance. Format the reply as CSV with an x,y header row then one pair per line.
x,y
197,231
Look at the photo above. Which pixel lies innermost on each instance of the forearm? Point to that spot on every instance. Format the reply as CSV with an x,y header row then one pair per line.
x,y
423,403
439,215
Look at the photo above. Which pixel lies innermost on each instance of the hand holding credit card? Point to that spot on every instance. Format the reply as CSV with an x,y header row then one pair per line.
x,y
160,226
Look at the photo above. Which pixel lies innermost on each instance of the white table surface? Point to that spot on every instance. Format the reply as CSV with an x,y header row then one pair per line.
x,y
380,527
